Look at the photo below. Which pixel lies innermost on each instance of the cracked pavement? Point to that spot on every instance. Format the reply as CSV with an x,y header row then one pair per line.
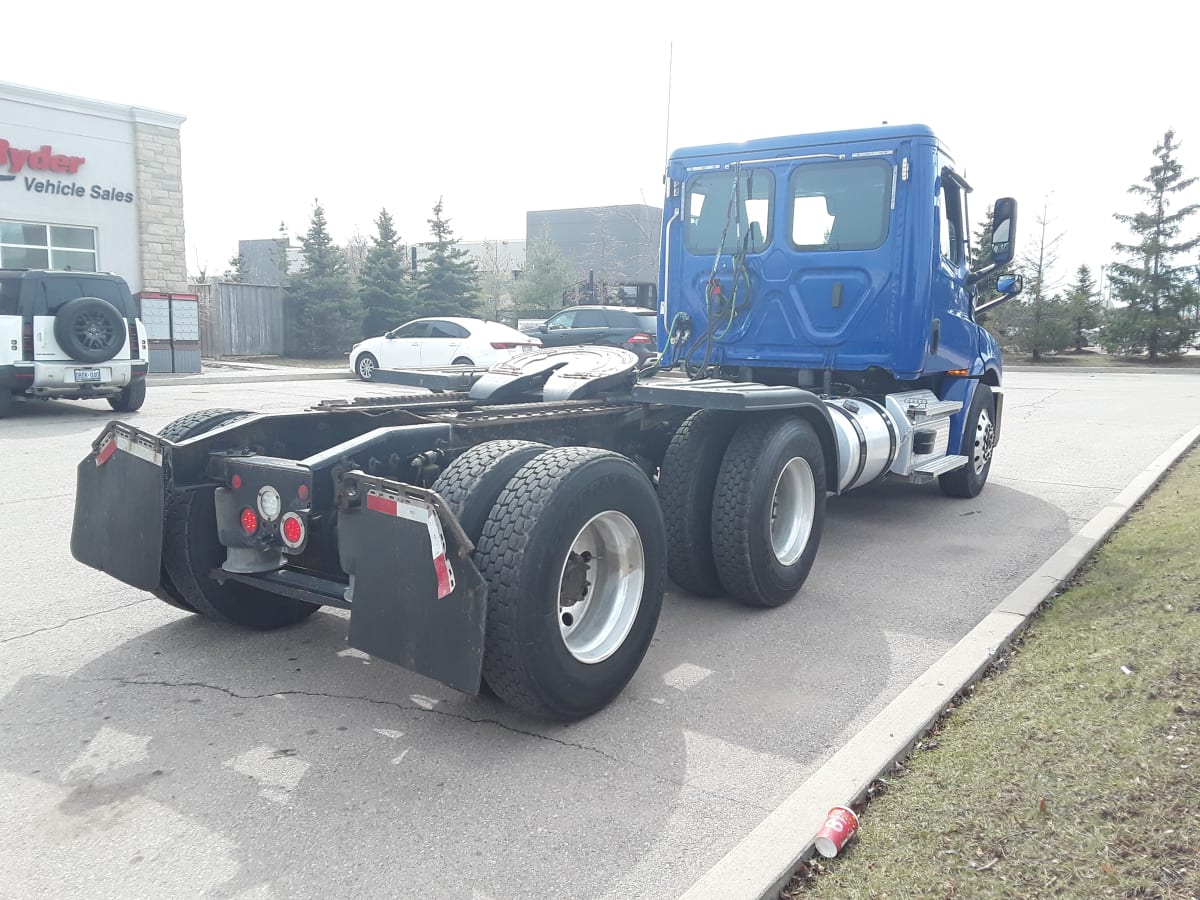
x,y
146,752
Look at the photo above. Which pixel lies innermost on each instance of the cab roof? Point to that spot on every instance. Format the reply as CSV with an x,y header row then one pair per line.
x,y
817,139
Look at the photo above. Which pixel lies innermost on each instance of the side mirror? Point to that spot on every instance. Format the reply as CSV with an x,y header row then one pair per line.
x,y
1007,287
1010,285
1004,228
543,328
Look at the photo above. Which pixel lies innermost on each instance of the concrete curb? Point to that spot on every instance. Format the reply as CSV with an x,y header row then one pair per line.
x,y
190,380
1109,370
763,862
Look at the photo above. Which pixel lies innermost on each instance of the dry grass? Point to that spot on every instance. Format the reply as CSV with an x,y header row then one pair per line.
x,y
1074,769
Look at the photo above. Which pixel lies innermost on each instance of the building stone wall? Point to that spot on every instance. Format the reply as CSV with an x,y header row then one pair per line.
x,y
160,208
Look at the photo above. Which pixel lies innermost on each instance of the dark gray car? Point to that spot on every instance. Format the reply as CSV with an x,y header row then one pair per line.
x,y
631,327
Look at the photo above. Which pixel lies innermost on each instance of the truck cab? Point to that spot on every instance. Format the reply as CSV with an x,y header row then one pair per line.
x,y
843,253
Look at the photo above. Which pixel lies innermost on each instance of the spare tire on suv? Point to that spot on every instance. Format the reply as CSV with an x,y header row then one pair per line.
x,y
89,329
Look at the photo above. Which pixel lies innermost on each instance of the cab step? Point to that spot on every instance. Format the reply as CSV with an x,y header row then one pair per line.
x,y
925,472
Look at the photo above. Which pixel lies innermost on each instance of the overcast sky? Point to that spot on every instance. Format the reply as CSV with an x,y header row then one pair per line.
x,y
502,108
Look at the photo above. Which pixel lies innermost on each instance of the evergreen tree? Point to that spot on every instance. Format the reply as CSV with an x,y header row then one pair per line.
x,y
546,275
1156,293
322,310
237,269
1085,309
448,284
384,284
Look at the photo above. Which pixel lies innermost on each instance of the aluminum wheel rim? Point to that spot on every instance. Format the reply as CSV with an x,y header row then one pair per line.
x,y
366,368
793,507
94,331
600,587
985,439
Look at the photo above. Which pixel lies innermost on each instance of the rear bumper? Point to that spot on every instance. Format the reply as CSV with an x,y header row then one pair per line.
x,y
57,379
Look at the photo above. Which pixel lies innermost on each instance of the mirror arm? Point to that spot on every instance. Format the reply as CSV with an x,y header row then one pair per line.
x,y
973,278
995,301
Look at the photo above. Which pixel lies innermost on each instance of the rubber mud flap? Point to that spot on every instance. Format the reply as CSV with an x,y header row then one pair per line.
x,y
118,526
419,609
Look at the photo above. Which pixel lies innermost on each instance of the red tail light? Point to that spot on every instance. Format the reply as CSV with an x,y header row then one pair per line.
x,y
249,520
134,352
504,345
293,531
641,339
27,342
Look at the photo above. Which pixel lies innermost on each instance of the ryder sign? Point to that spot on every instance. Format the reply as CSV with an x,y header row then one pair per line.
x,y
33,166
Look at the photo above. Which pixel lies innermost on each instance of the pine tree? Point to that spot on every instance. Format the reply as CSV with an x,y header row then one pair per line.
x,y
1156,293
384,284
546,275
448,284
1085,309
322,310
237,270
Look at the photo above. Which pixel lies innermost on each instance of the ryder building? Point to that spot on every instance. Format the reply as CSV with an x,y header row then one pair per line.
x,y
91,186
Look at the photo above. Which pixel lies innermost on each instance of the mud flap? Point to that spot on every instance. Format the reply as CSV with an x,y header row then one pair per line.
x,y
119,497
416,598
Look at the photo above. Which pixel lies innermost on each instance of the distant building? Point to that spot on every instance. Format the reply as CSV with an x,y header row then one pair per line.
x,y
270,260
613,248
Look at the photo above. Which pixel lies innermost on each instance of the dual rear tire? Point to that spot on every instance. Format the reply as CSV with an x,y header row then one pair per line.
x,y
573,550
744,498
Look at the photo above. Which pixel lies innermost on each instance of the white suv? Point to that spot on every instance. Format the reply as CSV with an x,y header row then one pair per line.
x,y
70,335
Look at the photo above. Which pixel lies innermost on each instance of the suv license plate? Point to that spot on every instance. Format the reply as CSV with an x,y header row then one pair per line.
x,y
87,375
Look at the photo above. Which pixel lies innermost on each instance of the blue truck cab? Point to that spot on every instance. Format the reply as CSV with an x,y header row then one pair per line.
x,y
837,262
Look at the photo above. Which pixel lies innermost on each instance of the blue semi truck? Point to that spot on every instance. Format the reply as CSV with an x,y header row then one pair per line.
x,y
513,529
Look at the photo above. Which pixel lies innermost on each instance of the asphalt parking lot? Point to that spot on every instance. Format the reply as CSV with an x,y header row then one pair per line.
x,y
144,752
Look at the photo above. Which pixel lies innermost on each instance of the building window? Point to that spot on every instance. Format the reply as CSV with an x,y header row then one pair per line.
x,y
25,245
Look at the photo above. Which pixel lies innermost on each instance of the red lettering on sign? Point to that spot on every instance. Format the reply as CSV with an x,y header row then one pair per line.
x,y
43,159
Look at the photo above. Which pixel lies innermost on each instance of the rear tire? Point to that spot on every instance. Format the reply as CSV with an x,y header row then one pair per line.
x,y
463,361
568,627
365,366
191,550
179,430
687,482
979,435
769,509
473,482
131,398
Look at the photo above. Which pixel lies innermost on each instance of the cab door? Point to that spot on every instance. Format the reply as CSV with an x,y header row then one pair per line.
x,y
953,334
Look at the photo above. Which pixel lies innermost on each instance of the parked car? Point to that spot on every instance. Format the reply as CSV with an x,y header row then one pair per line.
x,y
449,341
631,327
70,335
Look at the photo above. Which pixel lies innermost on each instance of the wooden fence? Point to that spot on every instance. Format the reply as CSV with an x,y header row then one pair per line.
x,y
240,319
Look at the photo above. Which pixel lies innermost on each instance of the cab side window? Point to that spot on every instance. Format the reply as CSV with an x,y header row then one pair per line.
x,y
951,227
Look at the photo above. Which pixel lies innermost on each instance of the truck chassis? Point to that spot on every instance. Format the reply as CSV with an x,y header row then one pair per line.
x,y
480,535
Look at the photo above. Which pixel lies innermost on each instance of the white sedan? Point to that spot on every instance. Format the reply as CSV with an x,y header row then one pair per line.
x,y
449,341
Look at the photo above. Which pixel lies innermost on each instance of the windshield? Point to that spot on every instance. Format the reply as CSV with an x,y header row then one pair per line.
x,y
743,215
841,205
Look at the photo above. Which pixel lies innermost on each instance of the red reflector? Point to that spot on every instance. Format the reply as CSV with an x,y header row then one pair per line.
x,y
293,530
249,520
235,482
640,339
381,504
106,451
501,345
302,492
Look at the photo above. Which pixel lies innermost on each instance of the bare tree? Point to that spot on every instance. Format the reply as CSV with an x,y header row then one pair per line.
x,y
355,251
